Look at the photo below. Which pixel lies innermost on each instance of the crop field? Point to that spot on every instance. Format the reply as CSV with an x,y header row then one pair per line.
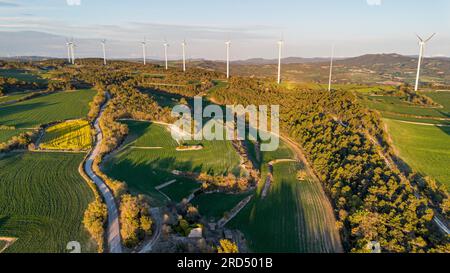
x,y
424,148
44,109
441,97
13,97
42,202
214,206
21,75
144,168
395,105
294,217
181,189
6,135
69,135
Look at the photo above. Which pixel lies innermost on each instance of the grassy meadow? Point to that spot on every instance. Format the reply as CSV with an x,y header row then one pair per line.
x,y
214,206
42,202
424,148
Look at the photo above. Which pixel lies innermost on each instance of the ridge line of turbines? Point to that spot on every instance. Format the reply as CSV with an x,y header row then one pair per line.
x,y
71,56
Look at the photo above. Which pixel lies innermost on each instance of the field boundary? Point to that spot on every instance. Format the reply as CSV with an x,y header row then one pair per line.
x,y
9,241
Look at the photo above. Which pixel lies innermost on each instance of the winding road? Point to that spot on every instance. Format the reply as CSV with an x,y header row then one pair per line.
x,y
113,228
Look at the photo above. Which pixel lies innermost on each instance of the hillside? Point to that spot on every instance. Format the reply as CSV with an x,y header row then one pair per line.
x,y
365,69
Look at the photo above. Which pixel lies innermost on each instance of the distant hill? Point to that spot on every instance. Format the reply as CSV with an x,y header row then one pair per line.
x,y
367,69
289,60
377,59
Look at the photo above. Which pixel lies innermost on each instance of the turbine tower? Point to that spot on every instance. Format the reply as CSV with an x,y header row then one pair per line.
x,y
331,68
72,50
280,47
228,43
144,51
166,45
183,45
422,44
104,51
69,53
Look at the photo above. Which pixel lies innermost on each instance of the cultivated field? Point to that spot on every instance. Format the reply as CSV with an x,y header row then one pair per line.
x,y
6,135
214,206
150,156
42,202
424,148
395,105
181,189
13,97
69,135
21,75
44,109
294,217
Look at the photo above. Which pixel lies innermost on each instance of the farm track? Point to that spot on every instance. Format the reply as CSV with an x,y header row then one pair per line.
x,y
113,228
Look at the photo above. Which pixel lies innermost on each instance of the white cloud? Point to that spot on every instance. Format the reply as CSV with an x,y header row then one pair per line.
x,y
73,2
374,2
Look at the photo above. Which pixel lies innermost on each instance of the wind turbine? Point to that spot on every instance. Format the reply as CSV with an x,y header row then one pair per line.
x,y
72,50
280,47
183,45
166,45
104,51
422,44
331,68
144,51
69,53
228,43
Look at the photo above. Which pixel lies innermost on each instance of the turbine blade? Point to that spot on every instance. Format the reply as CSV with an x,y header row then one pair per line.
x,y
420,38
431,37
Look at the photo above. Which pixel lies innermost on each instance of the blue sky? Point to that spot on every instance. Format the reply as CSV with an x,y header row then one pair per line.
x,y
308,27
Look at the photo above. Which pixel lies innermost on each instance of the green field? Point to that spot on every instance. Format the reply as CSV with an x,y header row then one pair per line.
x,y
13,97
294,217
424,148
69,135
395,105
213,206
42,202
44,109
21,75
6,135
143,168
180,189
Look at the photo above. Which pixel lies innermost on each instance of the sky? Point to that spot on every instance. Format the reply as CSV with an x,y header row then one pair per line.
x,y
309,28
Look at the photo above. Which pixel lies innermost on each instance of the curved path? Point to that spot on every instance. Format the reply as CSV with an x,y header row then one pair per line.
x,y
113,228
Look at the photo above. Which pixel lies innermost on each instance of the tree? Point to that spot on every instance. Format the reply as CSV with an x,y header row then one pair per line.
x,y
94,220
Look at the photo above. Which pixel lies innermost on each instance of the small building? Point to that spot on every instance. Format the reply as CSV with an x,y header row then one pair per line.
x,y
196,233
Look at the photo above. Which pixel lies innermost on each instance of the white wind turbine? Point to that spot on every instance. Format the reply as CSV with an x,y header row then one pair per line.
x,y
72,50
422,44
280,48
228,43
331,68
183,46
69,53
166,45
104,51
144,51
